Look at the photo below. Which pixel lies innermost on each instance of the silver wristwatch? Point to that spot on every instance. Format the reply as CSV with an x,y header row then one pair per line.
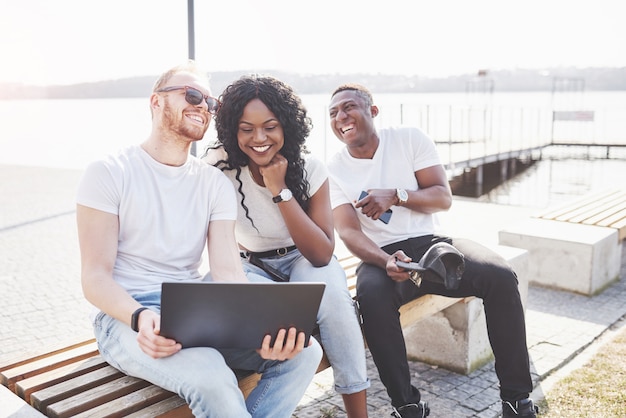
x,y
403,196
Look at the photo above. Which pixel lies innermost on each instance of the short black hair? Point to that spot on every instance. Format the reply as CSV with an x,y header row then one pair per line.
x,y
361,91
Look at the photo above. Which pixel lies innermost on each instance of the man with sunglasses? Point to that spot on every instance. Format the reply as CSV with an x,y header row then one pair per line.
x,y
144,217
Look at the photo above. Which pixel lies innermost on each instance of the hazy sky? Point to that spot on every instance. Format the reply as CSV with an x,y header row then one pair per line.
x,y
69,41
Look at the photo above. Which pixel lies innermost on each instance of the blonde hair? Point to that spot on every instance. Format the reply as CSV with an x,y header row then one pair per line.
x,y
188,67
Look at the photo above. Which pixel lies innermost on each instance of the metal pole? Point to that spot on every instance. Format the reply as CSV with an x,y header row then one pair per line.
x,y
191,40
190,30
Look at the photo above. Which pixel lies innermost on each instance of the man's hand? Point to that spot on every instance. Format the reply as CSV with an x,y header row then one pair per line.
x,y
396,273
149,339
286,346
377,202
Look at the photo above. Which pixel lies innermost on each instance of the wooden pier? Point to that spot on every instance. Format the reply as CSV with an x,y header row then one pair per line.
x,y
475,167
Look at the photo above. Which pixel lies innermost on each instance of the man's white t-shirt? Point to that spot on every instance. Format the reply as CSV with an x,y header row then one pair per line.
x,y
164,214
271,231
401,152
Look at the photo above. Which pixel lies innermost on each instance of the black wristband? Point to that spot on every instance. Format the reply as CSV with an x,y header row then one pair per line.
x,y
134,319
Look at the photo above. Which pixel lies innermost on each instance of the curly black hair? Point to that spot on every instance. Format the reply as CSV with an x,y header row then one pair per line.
x,y
287,106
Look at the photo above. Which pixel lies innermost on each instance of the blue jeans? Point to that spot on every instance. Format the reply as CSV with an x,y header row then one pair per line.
x,y
339,327
203,376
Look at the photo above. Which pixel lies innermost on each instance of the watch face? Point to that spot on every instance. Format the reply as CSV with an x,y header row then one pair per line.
x,y
285,194
403,195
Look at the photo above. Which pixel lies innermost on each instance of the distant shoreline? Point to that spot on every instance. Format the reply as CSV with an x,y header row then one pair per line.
x,y
519,80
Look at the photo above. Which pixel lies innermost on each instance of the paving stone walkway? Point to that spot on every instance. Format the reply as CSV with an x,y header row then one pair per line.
x,y
43,307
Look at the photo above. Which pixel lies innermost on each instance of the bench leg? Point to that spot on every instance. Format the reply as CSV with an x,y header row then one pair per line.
x,y
455,338
13,406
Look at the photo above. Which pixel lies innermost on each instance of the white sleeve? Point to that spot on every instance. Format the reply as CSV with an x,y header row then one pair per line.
x,y
224,205
98,188
316,173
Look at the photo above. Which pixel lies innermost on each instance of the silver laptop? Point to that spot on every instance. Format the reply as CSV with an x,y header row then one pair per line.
x,y
237,315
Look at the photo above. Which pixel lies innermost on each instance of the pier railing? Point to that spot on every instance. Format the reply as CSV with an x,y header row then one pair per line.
x,y
469,136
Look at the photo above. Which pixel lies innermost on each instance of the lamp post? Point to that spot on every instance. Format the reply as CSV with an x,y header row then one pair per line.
x,y
190,30
191,40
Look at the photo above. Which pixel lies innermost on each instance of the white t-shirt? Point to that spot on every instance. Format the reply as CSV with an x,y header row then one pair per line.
x,y
164,214
401,152
271,231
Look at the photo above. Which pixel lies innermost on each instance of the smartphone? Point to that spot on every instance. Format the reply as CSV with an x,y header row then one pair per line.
x,y
385,217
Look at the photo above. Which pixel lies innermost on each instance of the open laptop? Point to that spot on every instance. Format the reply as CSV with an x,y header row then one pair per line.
x,y
236,315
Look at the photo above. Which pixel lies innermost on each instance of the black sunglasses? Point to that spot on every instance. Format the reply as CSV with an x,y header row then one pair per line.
x,y
195,97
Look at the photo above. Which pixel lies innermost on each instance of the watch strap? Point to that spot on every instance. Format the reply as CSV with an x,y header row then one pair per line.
x,y
134,319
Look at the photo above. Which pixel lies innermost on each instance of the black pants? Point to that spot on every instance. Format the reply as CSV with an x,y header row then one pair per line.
x,y
487,276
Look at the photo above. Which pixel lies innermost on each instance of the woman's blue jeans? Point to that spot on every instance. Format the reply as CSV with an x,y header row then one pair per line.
x,y
203,376
340,332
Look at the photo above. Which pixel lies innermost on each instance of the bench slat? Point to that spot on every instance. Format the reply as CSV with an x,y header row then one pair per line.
x,y
26,387
45,355
604,209
248,383
424,306
95,396
172,407
67,388
180,412
609,216
577,213
133,402
588,201
42,364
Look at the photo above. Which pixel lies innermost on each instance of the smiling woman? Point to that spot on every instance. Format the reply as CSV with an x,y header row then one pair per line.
x,y
284,222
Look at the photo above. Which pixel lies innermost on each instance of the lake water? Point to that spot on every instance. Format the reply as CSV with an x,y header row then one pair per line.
x,y
71,133
550,182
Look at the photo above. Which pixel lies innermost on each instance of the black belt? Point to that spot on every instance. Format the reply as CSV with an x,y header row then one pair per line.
x,y
278,252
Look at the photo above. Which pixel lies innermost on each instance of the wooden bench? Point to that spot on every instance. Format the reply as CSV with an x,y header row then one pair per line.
x,y
606,208
576,246
75,381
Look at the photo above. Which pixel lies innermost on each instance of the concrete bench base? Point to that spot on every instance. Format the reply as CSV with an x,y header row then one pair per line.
x,y
456,337
12,406
579,258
